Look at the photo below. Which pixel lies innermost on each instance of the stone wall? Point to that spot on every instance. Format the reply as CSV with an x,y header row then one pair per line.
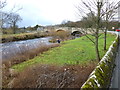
x,y
101,75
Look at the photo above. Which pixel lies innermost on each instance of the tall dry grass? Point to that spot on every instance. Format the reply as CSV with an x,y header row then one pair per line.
x,y
6,73
51,76
62,35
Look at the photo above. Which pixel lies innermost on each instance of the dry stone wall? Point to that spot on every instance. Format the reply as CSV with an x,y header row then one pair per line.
x,y
101,75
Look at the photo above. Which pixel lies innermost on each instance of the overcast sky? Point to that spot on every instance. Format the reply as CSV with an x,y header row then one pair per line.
x,y
44,12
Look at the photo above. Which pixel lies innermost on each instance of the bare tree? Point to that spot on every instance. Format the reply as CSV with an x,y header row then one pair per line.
x,y
2,4
109,12
95,10
7,17
4,20
13,19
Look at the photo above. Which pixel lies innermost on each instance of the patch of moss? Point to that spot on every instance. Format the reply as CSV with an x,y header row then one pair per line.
x,y
104,78
109,57
115,44
100,77
104,67
93,83
86,86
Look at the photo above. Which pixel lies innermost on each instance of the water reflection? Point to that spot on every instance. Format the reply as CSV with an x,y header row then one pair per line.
x,y
11,49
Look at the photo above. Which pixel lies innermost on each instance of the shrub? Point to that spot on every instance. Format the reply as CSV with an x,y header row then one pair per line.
x,y
51,76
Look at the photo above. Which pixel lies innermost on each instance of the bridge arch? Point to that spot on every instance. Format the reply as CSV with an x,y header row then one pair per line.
x,y
76,33
60,30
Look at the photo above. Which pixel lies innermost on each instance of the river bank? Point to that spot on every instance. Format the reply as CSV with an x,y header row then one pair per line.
x,y
19,57
63,35
22,36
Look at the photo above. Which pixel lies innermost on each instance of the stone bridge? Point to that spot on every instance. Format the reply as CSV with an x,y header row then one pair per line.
x,y
73,31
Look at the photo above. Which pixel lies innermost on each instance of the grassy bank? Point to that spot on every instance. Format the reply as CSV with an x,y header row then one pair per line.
x,y
22,36
78,51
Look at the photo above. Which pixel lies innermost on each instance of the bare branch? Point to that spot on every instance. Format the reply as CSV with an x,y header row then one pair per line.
x,y
2,4
100,34
90,39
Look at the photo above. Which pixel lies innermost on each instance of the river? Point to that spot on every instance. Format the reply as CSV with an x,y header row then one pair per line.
x,y
11,49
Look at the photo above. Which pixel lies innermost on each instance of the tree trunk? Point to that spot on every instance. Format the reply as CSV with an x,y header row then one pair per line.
x,y
14,27
105,32
105,40
97,31
97,49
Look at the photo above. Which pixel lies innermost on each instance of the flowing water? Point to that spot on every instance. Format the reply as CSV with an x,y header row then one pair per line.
x,y
11,49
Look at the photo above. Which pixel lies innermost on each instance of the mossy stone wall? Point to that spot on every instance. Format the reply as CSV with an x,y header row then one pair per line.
x,y
101,75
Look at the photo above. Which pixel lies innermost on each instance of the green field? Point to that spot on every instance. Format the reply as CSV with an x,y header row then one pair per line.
x,y
77,51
